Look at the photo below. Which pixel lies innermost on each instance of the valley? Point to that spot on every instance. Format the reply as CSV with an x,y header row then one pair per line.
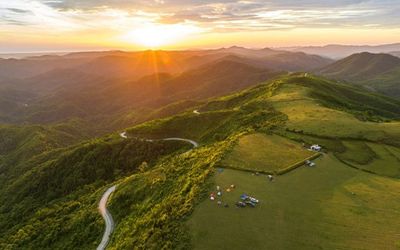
x,y
199,125
149,152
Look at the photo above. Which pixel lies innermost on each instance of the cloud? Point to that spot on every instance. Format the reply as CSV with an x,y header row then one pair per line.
x,y
218,16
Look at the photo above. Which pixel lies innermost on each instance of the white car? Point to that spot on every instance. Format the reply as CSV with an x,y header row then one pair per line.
x,y
253,199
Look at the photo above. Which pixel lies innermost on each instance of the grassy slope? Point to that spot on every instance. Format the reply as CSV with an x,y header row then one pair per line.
x,y
376,71
65,183
314,208
309,208
386,161
150,205
362,66
243,111
292,97
268,153
315,119
309,114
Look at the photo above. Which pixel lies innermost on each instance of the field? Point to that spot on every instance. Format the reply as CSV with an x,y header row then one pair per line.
x,y
308,116
265,153
330,206
386,160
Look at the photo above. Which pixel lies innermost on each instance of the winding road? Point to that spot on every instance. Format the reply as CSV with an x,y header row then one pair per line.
x,y
103,201
195,144
107,218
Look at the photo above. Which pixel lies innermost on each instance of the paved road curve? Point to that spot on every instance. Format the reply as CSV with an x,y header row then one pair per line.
x,y
107,218
103,202
195,144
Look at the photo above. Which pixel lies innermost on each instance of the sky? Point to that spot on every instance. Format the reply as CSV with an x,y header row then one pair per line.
x,y
70,25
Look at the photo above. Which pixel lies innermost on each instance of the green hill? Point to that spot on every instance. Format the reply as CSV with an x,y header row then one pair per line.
x,y
380,72
161,199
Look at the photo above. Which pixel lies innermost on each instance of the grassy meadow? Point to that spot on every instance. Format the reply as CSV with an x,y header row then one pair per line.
x,y
333,205
330,206
265,153
309,116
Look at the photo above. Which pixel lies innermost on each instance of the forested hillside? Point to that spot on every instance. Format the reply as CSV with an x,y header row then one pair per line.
x,y
49,196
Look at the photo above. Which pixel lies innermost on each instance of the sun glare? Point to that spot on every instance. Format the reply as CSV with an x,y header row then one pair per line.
x,y
156,35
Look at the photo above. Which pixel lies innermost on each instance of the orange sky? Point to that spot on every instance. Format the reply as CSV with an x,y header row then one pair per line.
x,y
60,25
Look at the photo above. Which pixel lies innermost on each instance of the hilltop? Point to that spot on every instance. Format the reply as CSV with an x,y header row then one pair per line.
x,y
375,71
161,197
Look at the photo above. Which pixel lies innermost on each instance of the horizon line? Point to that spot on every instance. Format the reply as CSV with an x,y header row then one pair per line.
x,y
67,51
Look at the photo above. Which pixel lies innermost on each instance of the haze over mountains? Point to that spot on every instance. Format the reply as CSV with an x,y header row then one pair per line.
x,y
52,88
74,125
43,89
337,51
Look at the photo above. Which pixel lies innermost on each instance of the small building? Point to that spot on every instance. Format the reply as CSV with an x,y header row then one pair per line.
x,y
316,147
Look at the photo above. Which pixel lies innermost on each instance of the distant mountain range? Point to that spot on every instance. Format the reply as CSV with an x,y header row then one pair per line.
x,y
395,53
112,64
94,85
340,51
72,126
380,72
50,88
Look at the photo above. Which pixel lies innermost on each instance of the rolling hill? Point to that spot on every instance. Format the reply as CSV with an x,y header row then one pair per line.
x,y
55,88
134,65
251,119
380,72
337,51
395,53
60,95
161,195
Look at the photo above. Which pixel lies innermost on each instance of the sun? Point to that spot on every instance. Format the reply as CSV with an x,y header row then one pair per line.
x,y
157,35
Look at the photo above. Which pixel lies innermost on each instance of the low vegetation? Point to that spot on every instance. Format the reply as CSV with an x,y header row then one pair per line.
x,y
49,199
265,153
329,206
67,184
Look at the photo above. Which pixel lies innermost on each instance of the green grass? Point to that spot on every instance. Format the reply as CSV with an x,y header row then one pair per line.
x,y
49,199
53,205
245,111
386,161
376,158
357,152
309,116
330,206
149,207
265,153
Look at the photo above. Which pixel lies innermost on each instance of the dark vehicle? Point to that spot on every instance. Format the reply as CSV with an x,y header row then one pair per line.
x,y
240,204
